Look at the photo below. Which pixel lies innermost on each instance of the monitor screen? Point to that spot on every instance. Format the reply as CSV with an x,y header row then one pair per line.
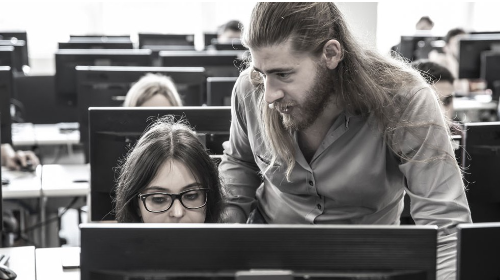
x,y
6,80
216,63
7,56
417,47
86,43
228,46
107,86
18,57
208,37
67,60
100,37
165,39
17,36
470,49
219,90
480,160
490,71
113,131
224,251
477,251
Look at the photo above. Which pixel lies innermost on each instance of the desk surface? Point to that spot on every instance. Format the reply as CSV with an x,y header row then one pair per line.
x,y
28,134
467,104
22,184
22,261
49,263
65,180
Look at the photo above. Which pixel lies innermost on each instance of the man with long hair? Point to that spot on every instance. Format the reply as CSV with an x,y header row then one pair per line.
x,y
326,131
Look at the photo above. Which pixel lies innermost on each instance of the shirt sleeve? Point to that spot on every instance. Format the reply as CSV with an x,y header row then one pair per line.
x,y
433,178
239,172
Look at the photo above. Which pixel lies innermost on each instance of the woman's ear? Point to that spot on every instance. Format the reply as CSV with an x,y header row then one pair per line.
x,y
332,54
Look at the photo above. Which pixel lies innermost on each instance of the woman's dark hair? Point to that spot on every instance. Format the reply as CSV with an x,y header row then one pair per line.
x,y
166,139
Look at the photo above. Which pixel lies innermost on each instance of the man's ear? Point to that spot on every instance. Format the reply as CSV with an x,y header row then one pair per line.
x,y
332,54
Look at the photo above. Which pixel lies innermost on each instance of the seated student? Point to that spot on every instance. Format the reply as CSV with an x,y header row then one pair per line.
x,y
153,90
442,79
229,31
168,178
16,160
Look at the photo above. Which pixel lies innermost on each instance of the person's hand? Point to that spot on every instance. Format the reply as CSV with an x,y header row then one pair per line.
x,y
16,160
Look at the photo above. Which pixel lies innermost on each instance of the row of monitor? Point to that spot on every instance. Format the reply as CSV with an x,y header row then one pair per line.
x,y
478,54
216,64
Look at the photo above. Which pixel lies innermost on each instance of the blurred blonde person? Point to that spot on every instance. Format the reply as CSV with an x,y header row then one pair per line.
x,y
153,90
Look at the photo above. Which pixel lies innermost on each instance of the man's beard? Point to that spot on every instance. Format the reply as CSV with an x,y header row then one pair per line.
x,y
316,100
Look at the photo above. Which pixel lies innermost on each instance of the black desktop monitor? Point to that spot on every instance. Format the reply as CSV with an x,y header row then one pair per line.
x,y
7,56
208,37
216,63
114,130
490,71
231,251
1,193
100,37
96,43
478,246
470,49
481,160
107,86
417,47
18,57
16,36
165,39
6,81
229,46
219,90
67,60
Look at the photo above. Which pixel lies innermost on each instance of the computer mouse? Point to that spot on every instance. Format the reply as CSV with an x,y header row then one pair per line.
x,y
28,168
7,273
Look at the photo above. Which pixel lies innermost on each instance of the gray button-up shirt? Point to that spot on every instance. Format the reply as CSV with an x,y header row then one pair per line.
x,y
354,176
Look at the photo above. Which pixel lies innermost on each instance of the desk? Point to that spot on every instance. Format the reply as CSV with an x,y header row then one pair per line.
x,y
23,134
467,104
28,134
22,184
65,180
22,261
49,263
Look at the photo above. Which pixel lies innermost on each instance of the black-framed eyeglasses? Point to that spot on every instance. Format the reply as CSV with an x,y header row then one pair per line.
x,y
160,202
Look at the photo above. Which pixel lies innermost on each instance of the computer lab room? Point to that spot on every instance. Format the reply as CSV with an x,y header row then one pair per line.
x,y
249,140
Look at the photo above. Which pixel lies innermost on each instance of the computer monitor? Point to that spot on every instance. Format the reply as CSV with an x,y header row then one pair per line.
x,y
230,251
228,46
67,60
6,81
7,56
470,49
481,159
165,39
490,71
208,37
216,63
418,46
1,194
219,90
114,130
17,36
18,58
107,86
99,36
477,251
96,43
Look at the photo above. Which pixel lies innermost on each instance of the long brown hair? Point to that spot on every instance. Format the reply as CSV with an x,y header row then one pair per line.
x,y
365,81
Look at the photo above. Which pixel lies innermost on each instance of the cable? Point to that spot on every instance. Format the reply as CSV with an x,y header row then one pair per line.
x,y
43,223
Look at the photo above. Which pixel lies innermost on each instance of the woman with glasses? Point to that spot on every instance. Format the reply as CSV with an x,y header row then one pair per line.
x,y
168,177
